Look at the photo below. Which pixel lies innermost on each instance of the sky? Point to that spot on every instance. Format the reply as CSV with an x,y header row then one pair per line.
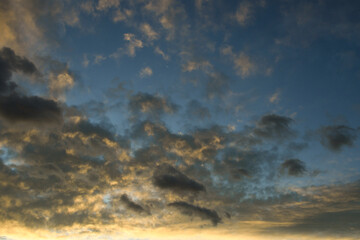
x,y
169,119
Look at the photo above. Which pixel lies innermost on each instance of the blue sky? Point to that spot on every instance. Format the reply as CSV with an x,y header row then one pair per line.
x,y
146,117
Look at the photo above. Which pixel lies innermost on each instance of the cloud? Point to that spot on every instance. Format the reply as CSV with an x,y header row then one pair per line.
x,y
273,126
15,62
67,172
68,176
199,146
193,65
337,136
24,28
146,72
147,30
131,46
244,13
99,58
199,4
243,65
89,129
15,108
9,63
133,43
71,18
159,6
294,167
60,83
87,6
58,77
167,177
253,167
192,210
150,104
122,15
132,205
170,14
161,53
86,61
106,4
275,98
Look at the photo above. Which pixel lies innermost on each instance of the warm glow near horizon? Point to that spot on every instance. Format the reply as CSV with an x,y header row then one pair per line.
x,y
173,120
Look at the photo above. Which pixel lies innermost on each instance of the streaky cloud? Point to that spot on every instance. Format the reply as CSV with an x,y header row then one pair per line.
x,y
190,210
167,177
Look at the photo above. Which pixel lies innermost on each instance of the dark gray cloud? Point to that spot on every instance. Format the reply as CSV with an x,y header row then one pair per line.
x,y
16,108
132,205
274,126
9,63
338,136
167,177
294,167
192,210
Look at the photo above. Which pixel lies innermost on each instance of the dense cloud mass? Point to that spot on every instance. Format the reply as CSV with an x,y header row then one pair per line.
x,y
35,109
274,126
168,177
294,167
338,136
15,107
9,63
169,119
131,205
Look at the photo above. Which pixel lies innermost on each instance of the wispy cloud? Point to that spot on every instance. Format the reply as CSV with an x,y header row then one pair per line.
x,y
146,72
